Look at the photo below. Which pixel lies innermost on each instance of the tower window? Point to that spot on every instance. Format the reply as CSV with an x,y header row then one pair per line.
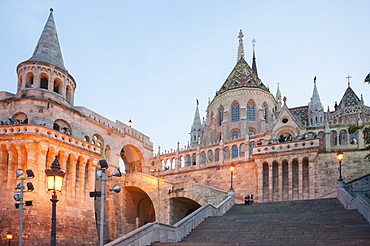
x,y
250,111
220,115
235,112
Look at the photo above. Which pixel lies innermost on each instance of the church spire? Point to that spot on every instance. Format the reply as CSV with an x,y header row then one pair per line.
x,y
254,64
197,128
48,48
315,108
278,94
241,46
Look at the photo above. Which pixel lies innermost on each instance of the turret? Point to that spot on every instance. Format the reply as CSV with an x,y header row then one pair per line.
x,y
44,74
315,108
197,129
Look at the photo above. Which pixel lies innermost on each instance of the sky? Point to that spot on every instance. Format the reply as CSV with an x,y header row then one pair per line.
x,y
149,61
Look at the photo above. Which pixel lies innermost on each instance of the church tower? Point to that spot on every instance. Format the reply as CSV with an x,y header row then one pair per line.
x,y
315,108
197,128
44,74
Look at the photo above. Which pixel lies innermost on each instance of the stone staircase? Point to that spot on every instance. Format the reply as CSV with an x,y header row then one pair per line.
x,y
309,222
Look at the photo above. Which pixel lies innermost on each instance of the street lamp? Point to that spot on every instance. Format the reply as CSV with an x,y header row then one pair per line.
x,y
55,182
21,175
232,168
340,158
9,236
100,174
130,123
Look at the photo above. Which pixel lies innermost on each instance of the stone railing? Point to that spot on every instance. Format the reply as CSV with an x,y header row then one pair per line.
x,y
160,232
359,202
44,131
287,146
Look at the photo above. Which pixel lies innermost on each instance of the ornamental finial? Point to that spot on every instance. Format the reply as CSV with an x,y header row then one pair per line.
x,y
241,46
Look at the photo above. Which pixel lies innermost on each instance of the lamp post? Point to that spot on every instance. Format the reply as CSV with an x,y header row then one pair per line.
x,y
116,188
19,196
340,158
55,182
9,236
232,168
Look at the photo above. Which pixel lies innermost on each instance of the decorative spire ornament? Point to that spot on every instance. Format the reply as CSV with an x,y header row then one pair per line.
x,y
241,46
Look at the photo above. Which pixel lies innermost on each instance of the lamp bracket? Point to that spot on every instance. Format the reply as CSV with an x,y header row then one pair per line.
x,y
23,191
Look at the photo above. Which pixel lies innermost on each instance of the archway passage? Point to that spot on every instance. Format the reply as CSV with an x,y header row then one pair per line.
x,y
139,207
132,159
181,207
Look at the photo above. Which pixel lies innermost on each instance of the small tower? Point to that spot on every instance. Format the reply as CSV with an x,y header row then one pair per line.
x,y
44,74
197,128
315,108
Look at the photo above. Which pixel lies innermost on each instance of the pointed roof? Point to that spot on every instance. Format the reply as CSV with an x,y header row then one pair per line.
x,y
278,93
254,64
196,121
349,99
48,48
315,99
242,76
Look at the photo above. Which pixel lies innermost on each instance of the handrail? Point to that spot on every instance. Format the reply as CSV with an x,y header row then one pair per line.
x,y
359,202
160,232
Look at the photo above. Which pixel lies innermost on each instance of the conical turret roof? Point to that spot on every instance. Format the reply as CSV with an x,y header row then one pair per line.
x,y
48,48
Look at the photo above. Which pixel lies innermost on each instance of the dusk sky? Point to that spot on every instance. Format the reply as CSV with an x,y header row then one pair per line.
x,y
149,61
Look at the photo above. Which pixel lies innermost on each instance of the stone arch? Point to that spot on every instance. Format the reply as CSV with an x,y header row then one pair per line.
x,y
132,158
57,85
97,140
29,80
44,81
181,207
20,118
139,209
62,126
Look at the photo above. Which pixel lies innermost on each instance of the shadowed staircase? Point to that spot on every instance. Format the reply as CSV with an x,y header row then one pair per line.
x,y
309,222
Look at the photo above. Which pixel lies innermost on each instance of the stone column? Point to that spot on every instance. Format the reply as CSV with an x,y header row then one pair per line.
x,y
300,178
270,188
280,174
290,180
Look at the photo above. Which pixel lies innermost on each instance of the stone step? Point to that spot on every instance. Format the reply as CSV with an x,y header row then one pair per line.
x,y
310,222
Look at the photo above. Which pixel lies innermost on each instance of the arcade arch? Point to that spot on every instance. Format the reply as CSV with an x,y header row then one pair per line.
x,y
132,159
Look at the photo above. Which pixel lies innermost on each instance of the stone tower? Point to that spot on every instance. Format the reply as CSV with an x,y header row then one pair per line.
x,y
44,74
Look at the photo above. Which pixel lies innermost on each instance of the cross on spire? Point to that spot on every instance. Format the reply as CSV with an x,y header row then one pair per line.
x,y
348,78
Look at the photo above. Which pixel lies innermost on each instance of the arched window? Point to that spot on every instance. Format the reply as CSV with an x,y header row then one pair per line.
x,y
187,162
234,151
44,82
235,112
57,85
343,137
242,150
235,135
264,108
220,115
333,138
250,111
210,156
194,159
217,154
